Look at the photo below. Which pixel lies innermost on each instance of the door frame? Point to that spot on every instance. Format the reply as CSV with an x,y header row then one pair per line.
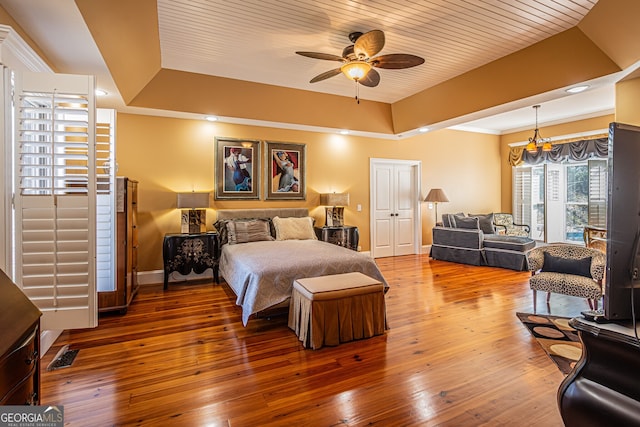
x,y
417,218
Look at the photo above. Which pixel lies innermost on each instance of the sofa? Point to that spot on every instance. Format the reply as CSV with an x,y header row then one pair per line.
x,y
472,239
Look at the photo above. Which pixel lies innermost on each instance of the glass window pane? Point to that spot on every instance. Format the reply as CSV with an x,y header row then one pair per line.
x,y
576,220
577,183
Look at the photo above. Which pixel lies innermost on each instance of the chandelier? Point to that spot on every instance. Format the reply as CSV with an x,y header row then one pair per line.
x,y
532,146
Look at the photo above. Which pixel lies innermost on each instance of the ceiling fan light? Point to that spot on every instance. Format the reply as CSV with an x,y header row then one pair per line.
x,y
355,70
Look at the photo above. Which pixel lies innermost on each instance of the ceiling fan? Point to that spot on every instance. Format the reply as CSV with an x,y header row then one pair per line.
x,y
358,59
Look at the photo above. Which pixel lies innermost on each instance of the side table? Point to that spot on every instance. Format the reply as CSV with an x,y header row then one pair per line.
x,y
346,235
190,252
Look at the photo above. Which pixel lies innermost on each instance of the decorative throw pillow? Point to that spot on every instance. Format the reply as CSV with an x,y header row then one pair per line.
x,y
470,223
579,267
221,226
449,220
245,231
294,228
486,223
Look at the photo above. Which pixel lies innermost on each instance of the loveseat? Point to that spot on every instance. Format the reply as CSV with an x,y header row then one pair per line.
x,y
472,239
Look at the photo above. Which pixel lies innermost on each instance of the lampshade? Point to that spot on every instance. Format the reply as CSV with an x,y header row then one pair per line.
x,y
193,200
532,147
355,70
334,199
436,195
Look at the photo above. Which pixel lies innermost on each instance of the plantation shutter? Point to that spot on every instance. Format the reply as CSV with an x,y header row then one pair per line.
x,y
522,195
105,201
598,193
6,189
55,197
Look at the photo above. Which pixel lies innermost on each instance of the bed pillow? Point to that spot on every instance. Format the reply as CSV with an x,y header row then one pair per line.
x,y
580,267
245,231
223,234
294,228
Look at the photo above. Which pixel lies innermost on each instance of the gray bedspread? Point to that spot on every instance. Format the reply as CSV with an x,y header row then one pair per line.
x,y
261,274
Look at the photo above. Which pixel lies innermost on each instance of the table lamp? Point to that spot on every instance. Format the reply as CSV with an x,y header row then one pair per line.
x,y
194,212
334,208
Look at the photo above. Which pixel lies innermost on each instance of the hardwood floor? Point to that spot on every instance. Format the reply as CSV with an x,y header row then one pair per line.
x,y
455,355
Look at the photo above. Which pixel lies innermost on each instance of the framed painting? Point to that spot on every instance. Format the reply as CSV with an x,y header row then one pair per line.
x,y
237,169
285,171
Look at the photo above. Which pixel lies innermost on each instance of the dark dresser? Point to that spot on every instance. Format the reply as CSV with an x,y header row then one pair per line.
x,y
19,346
185,253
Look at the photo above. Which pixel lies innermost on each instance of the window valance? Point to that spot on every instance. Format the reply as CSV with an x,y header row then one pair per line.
x,y
576,150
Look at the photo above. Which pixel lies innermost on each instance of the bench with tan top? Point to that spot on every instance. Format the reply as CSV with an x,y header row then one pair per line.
x,y
330,310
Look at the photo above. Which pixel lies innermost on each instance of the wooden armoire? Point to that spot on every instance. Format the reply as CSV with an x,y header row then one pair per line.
x,y
126,284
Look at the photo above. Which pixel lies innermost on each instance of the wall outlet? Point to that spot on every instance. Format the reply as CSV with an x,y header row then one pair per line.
x,y
430,205
359,207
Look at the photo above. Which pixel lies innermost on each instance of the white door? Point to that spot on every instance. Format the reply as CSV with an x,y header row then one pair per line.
x,y
395,219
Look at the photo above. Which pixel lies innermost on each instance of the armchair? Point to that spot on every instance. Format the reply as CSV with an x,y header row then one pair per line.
x,y
504,225
569,270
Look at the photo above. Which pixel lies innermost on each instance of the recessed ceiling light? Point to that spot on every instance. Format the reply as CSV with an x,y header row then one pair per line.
x,y
423,129
578,89
344,132
101,92
211,118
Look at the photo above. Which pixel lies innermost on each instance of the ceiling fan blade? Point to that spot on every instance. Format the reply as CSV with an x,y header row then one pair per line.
x,y
369,44
371,79
326,75
396,61
318,55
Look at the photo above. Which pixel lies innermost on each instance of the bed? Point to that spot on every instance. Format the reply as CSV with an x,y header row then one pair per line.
x,y
260,271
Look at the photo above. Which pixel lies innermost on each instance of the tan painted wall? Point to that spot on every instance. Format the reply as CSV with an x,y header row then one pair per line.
x,y
172,155
628,102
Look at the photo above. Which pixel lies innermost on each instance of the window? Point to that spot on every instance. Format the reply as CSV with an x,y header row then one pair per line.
x,y
576,206
559,199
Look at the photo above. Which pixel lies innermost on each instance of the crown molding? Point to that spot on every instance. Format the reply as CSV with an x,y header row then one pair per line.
x,y
16,53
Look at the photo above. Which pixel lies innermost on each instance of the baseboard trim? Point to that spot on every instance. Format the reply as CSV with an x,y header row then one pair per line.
x,y
153,277
47,338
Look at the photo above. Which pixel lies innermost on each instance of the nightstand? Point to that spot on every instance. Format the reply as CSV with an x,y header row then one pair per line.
x,y
346,235
190,252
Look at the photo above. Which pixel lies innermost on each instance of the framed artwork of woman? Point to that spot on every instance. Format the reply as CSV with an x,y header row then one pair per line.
x,y
285,171
237,169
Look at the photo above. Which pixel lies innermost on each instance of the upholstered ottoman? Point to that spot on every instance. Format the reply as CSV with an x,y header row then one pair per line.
x,y
329,310
507,251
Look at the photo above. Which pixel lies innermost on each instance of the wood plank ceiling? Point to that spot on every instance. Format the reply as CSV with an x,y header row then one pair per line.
x,y
256,40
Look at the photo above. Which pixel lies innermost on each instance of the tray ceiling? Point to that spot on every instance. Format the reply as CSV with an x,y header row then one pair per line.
x,y
256,40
